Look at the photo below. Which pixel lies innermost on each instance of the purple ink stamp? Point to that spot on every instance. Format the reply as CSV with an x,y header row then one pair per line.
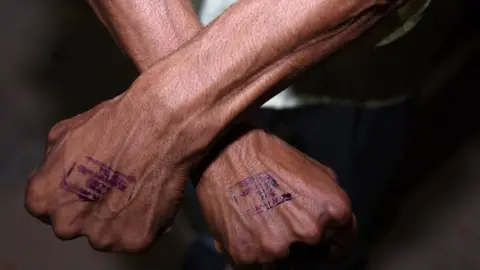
x,y
99,179
258,193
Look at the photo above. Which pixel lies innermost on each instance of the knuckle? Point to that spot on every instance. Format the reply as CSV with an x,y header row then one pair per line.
x,y
245,258
34,201
101,242
99,237
57,130
243,251
276,251
64,230
340,211
312,234
135,243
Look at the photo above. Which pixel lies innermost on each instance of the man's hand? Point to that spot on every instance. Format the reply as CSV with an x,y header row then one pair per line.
x,y
107,176
145,46
116,173
260,196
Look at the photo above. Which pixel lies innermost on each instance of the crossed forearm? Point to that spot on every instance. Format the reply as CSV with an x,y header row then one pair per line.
x,y
149,138
236,60
148,30
240,58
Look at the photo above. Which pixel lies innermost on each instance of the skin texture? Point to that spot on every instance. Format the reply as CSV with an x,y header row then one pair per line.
x,y
317,200
250,218
148,30
168,122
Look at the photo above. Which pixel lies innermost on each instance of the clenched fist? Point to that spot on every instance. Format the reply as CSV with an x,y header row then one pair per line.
x,y
261,195
106,175
116,173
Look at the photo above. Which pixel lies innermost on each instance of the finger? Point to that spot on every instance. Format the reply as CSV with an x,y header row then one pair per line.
x,y
305,226
99,233
137,234
35,201
48,190
64,227
70,218
57,130
277,234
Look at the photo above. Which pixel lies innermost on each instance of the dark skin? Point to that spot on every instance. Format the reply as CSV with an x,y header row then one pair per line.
x,y
161,127
299,224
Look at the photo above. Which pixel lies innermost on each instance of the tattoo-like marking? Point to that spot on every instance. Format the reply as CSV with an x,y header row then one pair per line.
x,y
258,193
99,179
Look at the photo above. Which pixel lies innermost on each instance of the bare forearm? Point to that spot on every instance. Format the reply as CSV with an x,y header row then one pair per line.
x,y
151,135
255,44
148,30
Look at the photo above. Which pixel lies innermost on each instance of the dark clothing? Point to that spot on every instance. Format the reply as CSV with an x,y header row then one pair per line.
x,y
363,145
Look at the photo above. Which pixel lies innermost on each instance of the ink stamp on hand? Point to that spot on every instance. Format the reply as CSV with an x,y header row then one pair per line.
x,y
98,177
258,193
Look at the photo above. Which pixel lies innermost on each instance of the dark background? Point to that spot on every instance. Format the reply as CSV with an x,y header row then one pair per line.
x,y
57,60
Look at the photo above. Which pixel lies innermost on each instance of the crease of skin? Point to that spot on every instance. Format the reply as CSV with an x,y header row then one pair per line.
x,y
268,222
141,42
291,208
267,76
245,68
234,97
295,205
241,73
95,208
126,142
278,232
259,83
267,80
288,209
219,206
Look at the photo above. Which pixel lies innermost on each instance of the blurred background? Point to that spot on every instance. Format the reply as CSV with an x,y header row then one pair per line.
x,y
57,60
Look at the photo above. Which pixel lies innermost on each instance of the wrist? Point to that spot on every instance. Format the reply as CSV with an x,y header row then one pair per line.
x,y
165,99
147,30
